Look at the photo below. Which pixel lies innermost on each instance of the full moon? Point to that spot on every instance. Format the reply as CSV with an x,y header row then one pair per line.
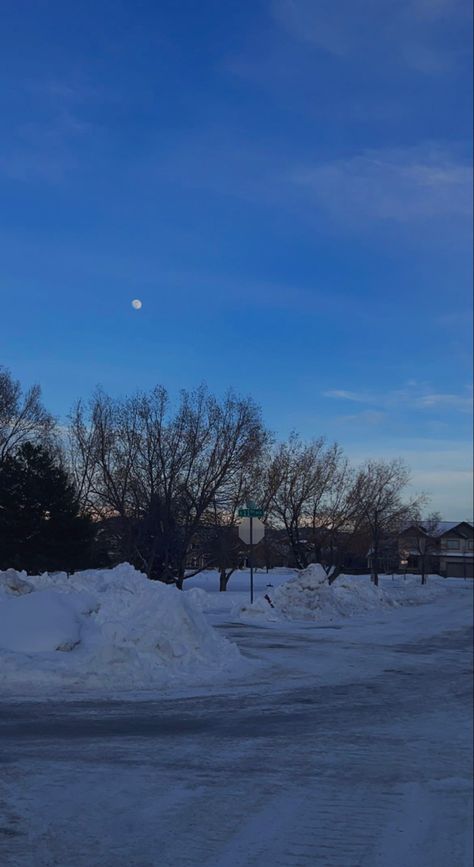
x,y
137,304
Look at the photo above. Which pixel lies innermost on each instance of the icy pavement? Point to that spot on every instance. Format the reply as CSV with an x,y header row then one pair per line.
x,y
349,747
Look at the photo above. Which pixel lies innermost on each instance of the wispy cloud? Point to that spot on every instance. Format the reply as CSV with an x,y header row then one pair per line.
x,y
43,150
63,94
406,33
53,122
368,417
357,397
402,185
450,401
414,396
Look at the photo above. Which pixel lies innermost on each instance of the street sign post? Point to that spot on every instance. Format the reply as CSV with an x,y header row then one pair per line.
x,y
251,531
258,530
250,513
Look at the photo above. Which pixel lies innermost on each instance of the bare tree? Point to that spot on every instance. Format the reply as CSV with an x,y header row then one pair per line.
x,y
378,493
225,549
161,470
425,541
248,484
23,417
291,481
334,520
224,438
306,487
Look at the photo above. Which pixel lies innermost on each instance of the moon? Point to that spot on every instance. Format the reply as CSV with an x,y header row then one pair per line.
x,y
137,304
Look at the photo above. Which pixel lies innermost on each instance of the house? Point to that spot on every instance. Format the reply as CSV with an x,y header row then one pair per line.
x,y
456,552
448,549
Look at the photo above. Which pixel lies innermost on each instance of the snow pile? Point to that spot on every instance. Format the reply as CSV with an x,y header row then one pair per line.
x,y
14,583
38,623
103,628
201,598
309,596
408,590
258,611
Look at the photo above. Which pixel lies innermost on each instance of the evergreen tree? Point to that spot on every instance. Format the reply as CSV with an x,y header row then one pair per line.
x,y
40,529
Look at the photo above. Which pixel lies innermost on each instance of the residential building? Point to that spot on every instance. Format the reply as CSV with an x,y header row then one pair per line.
x,y
448,549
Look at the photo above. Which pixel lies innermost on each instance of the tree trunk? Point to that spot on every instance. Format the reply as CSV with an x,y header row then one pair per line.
x,y
301,561
318,554
334,575
375,567
223,579
375,554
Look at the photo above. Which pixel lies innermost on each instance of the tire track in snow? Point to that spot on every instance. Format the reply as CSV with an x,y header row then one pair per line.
x,y
328,776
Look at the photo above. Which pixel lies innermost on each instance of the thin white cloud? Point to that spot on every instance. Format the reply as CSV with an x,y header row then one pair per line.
x,y
450,401
47,147
410,33
436,9
414,396
401,185
58,94
371,417
357,397
44,150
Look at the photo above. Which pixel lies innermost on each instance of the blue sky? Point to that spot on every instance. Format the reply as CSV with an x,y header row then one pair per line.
x,y
287,187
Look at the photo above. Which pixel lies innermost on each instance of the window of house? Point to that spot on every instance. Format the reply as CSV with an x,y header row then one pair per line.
x,y
452,544
470,544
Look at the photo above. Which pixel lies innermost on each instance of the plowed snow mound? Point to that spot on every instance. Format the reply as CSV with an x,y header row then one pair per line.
x,y
103,629
309,596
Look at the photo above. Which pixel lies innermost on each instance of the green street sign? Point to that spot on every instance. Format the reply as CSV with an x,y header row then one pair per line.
x,y
250,513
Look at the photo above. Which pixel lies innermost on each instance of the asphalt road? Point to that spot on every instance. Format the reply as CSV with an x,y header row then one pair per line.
x,y
373,773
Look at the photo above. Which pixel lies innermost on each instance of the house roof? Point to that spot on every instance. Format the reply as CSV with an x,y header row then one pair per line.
x,y
445,526
442,528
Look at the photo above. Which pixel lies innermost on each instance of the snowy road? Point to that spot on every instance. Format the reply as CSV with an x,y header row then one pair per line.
x,y
290,770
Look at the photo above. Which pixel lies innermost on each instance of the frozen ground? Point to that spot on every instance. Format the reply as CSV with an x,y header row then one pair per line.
x,y
346,743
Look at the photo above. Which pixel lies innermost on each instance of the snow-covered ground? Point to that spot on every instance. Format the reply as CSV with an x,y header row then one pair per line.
x,y
102,630
113,632
340,736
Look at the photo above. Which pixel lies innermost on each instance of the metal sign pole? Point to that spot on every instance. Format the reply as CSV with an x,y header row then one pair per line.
x,y
251,559
251,533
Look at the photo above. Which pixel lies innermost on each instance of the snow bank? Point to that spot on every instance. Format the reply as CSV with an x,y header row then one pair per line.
x,y
309,596
13,583
104,629
201,598
39,622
